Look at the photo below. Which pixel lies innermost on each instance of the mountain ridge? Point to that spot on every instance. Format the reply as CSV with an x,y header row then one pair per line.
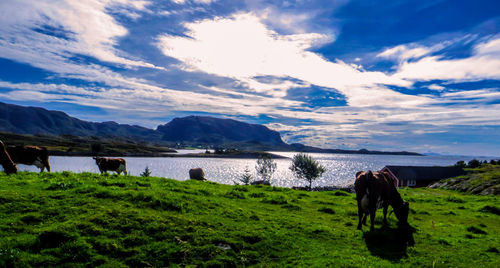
x,y
191,130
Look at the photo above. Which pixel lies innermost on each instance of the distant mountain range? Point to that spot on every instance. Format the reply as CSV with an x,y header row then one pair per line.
x,y
187,131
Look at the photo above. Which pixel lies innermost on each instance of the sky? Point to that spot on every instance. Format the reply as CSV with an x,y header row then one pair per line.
x,y
420,76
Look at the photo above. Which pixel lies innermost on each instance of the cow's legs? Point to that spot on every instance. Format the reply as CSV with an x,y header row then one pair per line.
x,y
385,213
46,165
360,215
364,218
372,219
372,208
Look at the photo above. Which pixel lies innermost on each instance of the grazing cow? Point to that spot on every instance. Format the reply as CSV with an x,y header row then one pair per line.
x,y
8,165
376,190
117,165
30,155
197,174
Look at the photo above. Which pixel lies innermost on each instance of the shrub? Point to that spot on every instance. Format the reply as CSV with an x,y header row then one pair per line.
x,y
305,167
474,163
461,164
265,167
246,177
146,172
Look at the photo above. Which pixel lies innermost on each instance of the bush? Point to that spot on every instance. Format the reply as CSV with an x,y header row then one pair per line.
x,y
474,163
246,177
265,167
146,172
305,167
461,164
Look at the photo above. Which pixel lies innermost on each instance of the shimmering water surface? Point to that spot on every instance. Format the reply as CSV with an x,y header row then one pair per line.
x,y
341,168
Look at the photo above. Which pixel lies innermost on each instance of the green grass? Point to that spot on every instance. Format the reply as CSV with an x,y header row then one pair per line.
x,y
481,180
67,219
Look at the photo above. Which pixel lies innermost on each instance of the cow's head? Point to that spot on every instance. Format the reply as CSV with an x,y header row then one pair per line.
x,y
402,213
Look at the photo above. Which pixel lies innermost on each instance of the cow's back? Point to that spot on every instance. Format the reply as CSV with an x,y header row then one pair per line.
x,y
111,164
27,154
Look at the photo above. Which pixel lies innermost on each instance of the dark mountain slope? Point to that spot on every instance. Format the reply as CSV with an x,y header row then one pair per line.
x,y
215,131
35,120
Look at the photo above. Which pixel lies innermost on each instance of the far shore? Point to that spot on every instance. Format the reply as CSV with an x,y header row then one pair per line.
x,y
238,155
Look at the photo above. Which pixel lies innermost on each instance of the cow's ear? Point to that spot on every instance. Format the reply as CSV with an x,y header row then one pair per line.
x,y
358,173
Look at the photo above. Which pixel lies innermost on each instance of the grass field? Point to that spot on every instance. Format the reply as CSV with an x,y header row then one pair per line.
x,y
67,219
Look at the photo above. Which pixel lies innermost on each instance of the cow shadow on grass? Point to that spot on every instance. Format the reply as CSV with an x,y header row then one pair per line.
x,y
390,243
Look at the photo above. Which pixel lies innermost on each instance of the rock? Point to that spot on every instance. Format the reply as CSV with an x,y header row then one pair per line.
x,y
197,174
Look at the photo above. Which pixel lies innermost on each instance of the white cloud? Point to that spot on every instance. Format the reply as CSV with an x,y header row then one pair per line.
x,y
483,64
195,1
403,52
436,87
255,50
88,28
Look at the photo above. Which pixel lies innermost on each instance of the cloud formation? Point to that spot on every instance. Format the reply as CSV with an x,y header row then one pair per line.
x,y
271,63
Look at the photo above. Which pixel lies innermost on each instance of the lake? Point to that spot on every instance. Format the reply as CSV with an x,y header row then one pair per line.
x,y
341,168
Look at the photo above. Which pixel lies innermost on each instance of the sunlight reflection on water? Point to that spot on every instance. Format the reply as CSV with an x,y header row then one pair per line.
x,y
341,168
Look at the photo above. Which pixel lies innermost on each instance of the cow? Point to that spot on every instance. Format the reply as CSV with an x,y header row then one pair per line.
x,y
8,165
197,174
376,190
30,155
117,165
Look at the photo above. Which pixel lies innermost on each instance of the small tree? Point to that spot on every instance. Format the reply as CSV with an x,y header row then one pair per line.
x,y
474,163
265,167
246,177
461,164
305,167
146,172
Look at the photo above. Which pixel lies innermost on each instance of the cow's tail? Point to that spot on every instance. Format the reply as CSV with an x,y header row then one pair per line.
x,y
45,158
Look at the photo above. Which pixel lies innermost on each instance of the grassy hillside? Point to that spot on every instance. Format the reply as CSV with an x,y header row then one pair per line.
x,y
55,219
484,179
72,145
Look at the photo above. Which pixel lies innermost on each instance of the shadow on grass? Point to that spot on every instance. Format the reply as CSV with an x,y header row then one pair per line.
x,y
390,243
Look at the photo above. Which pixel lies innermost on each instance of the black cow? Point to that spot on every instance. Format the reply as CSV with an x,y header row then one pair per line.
x,y
30,155
376,190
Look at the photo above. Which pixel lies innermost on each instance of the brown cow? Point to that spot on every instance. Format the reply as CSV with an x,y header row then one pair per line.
x,y
30,155
8,165
375,190
117,165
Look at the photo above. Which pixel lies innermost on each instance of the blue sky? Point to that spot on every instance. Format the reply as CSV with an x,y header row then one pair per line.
x,y
420,76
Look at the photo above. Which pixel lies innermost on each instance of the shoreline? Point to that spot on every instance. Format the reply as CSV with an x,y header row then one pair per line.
x,y
242,155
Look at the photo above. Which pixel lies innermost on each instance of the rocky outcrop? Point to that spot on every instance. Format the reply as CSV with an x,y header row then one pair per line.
x,y
472,183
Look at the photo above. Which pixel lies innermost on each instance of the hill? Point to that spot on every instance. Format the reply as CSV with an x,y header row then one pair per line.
x,y
218,132
190,131
35,120
484,180
67,219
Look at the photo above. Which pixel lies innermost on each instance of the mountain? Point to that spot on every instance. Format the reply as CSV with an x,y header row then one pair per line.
x,y
191,130
186,131
216,131
35,120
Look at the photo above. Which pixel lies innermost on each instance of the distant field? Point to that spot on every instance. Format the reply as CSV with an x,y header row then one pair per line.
x,y
84,146
57,219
